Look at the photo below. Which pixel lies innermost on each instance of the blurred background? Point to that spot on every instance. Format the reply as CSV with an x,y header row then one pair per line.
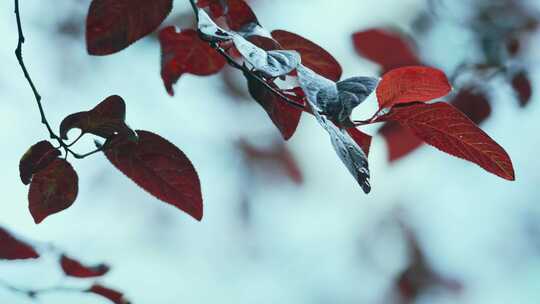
x,y
285,222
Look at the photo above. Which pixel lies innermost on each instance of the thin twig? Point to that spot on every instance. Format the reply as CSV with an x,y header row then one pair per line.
x,y
18,54
33,293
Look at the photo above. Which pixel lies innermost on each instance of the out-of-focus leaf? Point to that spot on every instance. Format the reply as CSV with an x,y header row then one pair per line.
x,y
74,268
112,295
522,87
13,249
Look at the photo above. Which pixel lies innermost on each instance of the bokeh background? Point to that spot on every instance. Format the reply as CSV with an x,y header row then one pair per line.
x,y
435,229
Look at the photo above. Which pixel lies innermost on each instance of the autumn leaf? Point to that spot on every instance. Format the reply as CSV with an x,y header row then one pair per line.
x,y
446,128
112,25
313,56
387,48
105,120
184,52
217,7
411,84
522,87
284,116
74,268
112,295
52,190
239,15
159,167
362,139
37,158
13,249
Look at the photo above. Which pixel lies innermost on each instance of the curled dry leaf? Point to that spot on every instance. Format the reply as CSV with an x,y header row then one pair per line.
x,y
13,249
284,116
37,158
74,268
209,30
389,49
112,295
273,63
313,56
105,120
185,52
113,25
159,167
52,190
446,128
412,84
351,92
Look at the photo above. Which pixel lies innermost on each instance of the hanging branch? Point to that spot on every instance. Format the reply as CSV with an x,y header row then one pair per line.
x,y
37,96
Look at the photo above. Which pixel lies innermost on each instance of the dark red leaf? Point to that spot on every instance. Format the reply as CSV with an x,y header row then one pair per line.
x,y
239,15
446,128
277,156
160,168
13,249
217,8
112,25
52,190
112,295
474,104
35,159
313,56
185,52
105,120
284,116
411,84
362,139
388,49
400,140
522,86
74,268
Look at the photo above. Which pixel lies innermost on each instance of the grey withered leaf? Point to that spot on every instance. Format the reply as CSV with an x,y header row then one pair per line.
x,y
272,63
352,92
319,90
209,30
348,151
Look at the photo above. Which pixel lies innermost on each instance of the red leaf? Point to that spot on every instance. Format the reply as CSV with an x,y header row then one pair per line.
x,y
278,155
446,128
74,268
313,56
388,49
216,7
522,86
411,84
13,249
160,168
284,116
52,190
185,52
105,120
473,104
36,159
239,15
112,25
400,140
114,296
362,139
